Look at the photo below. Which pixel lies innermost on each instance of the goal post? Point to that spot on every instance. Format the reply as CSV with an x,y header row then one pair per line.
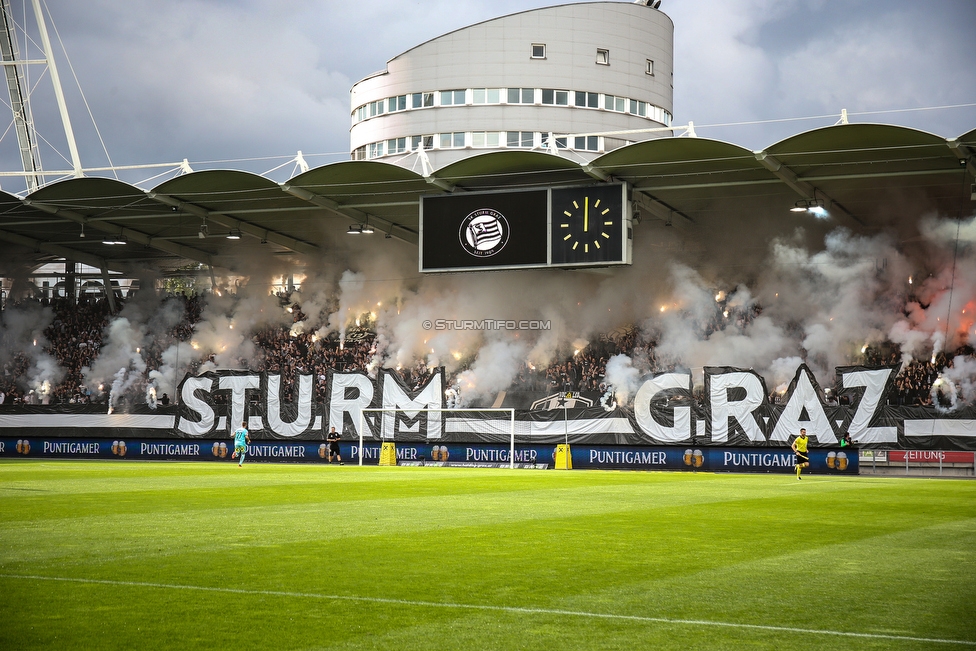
x,y
487,421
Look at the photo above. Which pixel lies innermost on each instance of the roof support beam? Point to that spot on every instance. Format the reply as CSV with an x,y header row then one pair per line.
x,y
964,154
596,172
803,188
446,186
656,207
296,245
135,236
661,210
58,250
428,172
811,179
109,294
395,230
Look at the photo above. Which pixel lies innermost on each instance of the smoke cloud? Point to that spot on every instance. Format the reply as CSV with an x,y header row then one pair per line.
x,y
798,300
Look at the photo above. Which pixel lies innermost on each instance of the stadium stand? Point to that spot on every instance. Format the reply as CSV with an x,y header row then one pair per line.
x,y
74,339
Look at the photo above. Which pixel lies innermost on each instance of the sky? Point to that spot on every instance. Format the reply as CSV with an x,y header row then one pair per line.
x,y
245,84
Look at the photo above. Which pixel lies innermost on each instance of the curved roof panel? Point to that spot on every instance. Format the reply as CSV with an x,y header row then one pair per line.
x,y
227,191
360,189
677,162
868,176
506,169
877,171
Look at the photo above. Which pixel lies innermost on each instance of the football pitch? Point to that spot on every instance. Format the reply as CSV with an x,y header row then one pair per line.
x,y
274,556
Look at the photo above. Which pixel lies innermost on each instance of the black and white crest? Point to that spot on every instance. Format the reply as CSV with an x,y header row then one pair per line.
x,y
484,232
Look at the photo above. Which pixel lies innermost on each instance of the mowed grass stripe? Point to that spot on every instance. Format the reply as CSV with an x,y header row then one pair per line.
x,y
922,579
485,607
698,511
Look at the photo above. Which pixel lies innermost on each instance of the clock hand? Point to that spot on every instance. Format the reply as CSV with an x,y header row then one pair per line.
x,y
586,214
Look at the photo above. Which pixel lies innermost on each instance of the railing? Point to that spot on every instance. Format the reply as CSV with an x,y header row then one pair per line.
x,y
926,463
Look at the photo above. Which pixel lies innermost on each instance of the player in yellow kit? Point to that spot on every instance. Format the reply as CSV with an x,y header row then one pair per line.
x,y
800,450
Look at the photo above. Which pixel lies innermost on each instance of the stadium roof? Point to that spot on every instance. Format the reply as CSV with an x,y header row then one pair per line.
x,y
866,176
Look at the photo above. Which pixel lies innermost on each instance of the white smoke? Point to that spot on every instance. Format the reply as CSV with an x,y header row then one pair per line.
x,y
22,333
789,305
493,370
176,362
119,362
623,377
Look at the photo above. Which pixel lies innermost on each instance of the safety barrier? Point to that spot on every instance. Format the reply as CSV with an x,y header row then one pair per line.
x,y
925,463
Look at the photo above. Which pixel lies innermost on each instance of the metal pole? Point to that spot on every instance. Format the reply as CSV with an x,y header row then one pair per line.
x,y
511,453
362,425
566,424
58,92
21,109
109,294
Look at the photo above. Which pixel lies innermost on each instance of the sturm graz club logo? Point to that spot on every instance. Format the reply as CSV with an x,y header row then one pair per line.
x,y
484,232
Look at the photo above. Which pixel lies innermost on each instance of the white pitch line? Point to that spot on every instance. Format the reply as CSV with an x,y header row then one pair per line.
x,y
507,609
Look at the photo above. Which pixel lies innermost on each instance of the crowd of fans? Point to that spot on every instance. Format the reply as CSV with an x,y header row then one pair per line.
x,y
74,338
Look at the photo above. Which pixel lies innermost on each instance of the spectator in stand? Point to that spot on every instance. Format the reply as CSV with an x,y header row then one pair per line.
x,y
75,336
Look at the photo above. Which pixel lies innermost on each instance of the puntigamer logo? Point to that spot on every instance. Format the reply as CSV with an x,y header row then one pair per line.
x,y
484,233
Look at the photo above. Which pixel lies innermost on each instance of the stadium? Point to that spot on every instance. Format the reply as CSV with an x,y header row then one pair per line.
x,y
524,265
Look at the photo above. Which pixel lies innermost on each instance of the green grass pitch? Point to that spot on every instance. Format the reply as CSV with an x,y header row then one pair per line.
x,y
145,555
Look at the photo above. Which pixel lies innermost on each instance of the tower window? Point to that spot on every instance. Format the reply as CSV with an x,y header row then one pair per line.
x,y
420,100
520,138
452,97
649,70
538,50
485,96
521,95
586,143
589,100
426,141
557,97
603,57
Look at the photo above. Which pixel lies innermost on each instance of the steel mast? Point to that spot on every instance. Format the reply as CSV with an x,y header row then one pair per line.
x,y
23,123
13,68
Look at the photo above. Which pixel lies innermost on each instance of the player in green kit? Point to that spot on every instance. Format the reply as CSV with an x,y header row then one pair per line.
x,y
800,450
241,439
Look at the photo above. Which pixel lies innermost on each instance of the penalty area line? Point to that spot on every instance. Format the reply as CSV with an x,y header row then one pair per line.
x,y
486,607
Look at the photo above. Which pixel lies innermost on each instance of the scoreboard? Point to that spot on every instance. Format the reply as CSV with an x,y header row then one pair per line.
x,y
577,226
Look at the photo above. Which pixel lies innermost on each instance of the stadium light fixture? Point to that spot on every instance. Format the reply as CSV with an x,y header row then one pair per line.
x,y
367,229
204,231
109,240
818,211
121,239
234,234
812,206
82,230
355,229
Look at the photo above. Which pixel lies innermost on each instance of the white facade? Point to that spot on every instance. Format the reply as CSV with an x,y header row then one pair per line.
x,y
577,71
